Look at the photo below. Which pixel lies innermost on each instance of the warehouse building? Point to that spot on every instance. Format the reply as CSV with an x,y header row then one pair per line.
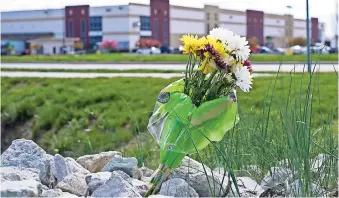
x,y
128,23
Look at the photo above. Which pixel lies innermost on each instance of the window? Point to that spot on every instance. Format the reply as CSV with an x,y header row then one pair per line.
x,y
70,28
123,45
93,40
207,16
145,23
216,16
83,31
155,28
207,28
165,29
95,23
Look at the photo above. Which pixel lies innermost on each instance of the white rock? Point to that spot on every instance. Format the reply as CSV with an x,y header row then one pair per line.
x,y
61,168
126,164
51,193
116,186
295,189
193,173
178,188
220,171
279,175
27,154
24,188
67,194
146,172
318,163
247,188
95,163
160,196
137,173
74,183
140,186
95,180
75,167
11,173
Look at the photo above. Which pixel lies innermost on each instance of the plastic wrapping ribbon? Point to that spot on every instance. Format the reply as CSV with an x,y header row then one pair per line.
x,y
180,128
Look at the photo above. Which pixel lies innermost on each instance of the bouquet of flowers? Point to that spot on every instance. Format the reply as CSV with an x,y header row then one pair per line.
x,y
201,107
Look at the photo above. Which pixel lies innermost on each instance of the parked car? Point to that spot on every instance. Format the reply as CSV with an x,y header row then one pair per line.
x,y
321,49
165,50
264,50
333,50
177,50
297,49
279,50
152,50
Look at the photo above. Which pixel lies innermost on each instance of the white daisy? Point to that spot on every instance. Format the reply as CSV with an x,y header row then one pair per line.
x,y
240,47
224,35
243,79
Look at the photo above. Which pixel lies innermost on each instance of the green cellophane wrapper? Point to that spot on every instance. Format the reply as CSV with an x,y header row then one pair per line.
x,y
180,128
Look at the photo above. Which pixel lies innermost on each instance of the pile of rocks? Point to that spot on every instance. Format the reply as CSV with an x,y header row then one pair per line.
x,y
28,171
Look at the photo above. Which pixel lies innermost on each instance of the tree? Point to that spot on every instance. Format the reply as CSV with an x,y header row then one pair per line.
x,y
78,45
109,45
36,47
147,43
253,42
297,41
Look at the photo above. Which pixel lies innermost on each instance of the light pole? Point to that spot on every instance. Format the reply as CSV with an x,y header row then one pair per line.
x,y
289,25
308,37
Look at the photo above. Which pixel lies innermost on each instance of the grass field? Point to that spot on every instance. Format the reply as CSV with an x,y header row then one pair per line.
x,y
176,58
281,118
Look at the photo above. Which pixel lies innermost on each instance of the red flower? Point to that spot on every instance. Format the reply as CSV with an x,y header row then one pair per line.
x,y
248,64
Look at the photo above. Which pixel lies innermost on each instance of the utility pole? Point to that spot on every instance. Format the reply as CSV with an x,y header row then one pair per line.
x,y
308,38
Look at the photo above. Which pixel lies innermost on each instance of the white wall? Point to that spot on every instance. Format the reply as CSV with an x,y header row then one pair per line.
x,y
301,24
117,37
139,10
184,27
33,14
41,26
186,14
299,33
115,24
132,40
131,21
274,31
274,21
232,18
239,29
104,10
34,21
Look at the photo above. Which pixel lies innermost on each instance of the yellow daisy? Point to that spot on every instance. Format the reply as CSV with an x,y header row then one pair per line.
x,y
191,43
217,45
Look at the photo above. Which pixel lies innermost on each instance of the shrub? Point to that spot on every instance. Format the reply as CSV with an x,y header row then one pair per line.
x,y
297,41
147,43
109,45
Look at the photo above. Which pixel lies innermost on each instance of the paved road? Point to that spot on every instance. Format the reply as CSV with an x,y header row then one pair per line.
x,y
77,66
94,75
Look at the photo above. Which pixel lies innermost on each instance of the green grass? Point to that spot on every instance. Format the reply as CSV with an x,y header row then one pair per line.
x,y
279,120
169,58
94,70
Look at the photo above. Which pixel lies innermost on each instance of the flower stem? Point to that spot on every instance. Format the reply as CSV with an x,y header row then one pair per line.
x,y
158,177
